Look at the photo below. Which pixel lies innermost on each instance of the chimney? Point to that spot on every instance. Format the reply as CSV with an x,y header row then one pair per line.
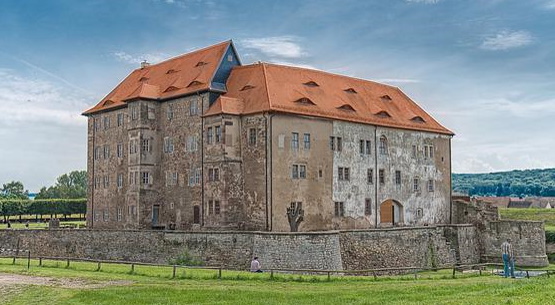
x,y
144,64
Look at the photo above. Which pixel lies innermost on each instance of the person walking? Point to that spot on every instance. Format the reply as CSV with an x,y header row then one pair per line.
x,y
508,258
255,265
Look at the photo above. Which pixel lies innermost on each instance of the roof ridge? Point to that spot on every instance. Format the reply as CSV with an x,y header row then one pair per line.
x,y
327,73
186,54
267,86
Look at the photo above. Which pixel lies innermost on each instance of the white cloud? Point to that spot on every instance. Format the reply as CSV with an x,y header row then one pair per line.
x,y
550,4
138,58
278,46
424,1
507,40
30,101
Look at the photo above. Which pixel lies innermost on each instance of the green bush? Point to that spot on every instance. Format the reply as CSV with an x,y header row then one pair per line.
x,y
550,237
186,259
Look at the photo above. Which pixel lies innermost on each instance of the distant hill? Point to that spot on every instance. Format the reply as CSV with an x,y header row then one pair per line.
x,y
530,182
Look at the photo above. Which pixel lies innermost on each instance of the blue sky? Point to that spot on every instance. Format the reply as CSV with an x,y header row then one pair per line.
x,y
483,68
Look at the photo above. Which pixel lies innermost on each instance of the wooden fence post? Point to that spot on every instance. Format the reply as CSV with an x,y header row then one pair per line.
x,y
28,260
98,266
132,268
40,261
219,272
173,274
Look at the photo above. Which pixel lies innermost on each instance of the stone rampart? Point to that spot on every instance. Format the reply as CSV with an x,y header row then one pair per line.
x,y
332,250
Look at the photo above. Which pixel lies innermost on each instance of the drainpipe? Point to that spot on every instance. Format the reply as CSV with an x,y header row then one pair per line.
x,y
376,176
450,186
266,168
201,98
92,174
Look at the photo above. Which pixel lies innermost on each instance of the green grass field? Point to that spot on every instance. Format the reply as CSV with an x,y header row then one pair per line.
x,y
80,284
546,215
41,225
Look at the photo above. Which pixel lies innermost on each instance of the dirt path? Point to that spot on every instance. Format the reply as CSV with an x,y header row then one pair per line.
x,y
12,283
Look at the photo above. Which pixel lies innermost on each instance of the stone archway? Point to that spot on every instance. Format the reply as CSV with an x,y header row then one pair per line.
x,y
391,212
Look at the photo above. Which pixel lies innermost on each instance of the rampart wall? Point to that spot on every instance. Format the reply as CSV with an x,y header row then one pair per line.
x,y
430,246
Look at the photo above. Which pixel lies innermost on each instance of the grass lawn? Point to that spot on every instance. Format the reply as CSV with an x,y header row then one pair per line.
x,y
40,225
154,286
547,215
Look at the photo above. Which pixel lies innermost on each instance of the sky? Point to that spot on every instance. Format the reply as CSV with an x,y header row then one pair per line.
x,y
485,69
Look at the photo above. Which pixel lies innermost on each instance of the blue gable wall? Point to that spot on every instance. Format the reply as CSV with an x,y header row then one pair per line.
x,y
221,75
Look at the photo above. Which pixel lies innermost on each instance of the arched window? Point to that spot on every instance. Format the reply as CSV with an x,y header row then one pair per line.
x,y
383,145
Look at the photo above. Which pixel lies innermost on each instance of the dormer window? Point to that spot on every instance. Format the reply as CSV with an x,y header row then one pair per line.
x,y
171,88
304,101
194,83
170,71
107,103
350,90
346,107
143,79
385,98
418,119
247,87
383,114
311,84
201,63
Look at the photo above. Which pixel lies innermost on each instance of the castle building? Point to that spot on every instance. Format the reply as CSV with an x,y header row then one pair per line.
x,y
202,142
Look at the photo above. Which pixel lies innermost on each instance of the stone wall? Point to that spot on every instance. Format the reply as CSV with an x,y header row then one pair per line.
x,y
336,250
527,238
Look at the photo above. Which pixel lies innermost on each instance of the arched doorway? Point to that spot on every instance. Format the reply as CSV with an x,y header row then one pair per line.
x,y
391,212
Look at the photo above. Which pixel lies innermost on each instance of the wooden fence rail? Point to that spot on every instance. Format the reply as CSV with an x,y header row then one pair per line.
x,y
373,272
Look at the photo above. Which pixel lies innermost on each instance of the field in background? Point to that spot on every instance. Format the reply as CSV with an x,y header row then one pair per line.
x,y
80,284
547,215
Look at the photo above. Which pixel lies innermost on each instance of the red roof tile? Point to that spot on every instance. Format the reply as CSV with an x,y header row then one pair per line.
x,y
174,77
266,87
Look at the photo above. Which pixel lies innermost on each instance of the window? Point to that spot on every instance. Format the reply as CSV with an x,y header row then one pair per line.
x,y
96,182
106,181
343,173
132,210
96,124
295,171
168,145
419,212
370,176
339,209
106,122
193,109
134,112
368,206
133,146
336,143
195,177
209,135
302,171
217,207
145,178
120,180
105,215
295,141
210,207
145,145
213,174
120,119
430,185
306,141
383,145
416,184
365,147
169,112
196,214
218,132
106,151
252,136
381,174
120,214
171,178
398,177
428,151
191,144
97,153
414,150
119,150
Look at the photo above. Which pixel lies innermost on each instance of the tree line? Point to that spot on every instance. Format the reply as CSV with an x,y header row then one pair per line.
x,y
66,197
516,183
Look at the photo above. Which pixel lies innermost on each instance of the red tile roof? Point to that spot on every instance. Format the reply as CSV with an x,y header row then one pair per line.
x,y
174,77
266,87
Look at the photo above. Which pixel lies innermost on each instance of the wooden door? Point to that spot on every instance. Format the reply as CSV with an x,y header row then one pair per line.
x,y
386,212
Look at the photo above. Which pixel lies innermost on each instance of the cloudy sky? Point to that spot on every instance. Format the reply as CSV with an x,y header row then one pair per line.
x,y
484,68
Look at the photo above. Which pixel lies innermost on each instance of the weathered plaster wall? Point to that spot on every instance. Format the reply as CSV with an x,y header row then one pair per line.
x,y
434,205
314,191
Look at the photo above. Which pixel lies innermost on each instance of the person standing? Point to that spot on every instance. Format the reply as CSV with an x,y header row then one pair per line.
x,y
255,265
508,258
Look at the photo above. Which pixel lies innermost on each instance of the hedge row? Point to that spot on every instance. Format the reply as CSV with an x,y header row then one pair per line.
x,y
550,237
11,207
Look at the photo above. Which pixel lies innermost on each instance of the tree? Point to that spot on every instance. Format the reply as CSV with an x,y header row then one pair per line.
x,y
14,190
68,186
